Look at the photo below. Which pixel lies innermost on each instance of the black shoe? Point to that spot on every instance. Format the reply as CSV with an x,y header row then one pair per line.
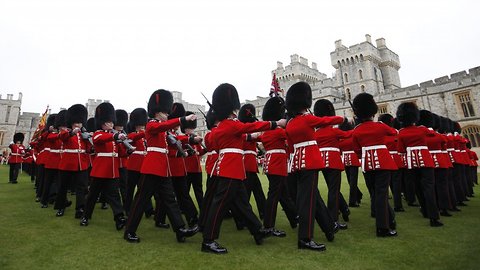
x,y
68,204
79,213
37,199
309,244
413,204
131,237
84,221
399,209
435,223
213,247
183,233
104,206
346,215
276,233
294,222
455,209
44,205
393,225
260,235
330,236
445,213
354,204
386,233
461,204
60,212
120,222
162,225
193,222
341,226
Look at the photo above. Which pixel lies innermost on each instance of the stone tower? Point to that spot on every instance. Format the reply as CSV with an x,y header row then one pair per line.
x,y
365,68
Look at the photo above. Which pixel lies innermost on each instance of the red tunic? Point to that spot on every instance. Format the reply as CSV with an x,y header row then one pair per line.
x,y
177,164
122,155
301,134
250,155
349,157
18,150
473,157
437,145
75,157
136,158
461,149
229,137
275,162
55,151
192,163
328,142
106,163
392,145
412,141
369,140
40,147
212,154
156,160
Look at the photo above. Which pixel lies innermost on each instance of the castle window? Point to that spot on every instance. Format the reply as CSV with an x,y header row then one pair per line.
x,y
362,88
466,104
472,133
338,62
346,77
356,58
382,108
348,94
7,115
2,133
348,61
360,74
361,57
351,59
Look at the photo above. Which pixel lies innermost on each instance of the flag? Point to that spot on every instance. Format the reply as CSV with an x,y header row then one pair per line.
x,y
275,88
40,127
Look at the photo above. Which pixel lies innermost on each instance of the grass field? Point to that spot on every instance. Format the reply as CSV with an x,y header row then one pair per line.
x,y
33,238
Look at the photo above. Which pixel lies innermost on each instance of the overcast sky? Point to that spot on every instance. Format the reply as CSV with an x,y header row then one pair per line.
x,y
63,52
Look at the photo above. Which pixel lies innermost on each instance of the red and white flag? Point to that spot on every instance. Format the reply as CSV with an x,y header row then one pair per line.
x,y
275,88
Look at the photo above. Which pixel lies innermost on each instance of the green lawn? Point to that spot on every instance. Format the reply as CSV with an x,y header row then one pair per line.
x,y
33,238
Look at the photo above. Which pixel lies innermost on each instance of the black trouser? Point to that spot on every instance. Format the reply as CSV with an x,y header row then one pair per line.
x,y
149,185
80,180
184,200
40,180
458,174
229,193
441,186
122,184
377,182
132,183
322,214
469,180
306,201
451,188
207,201
352,178
424,179
14,168
409,188
474,173
252,183
33,171
277,192
335,202
109,189
396,187
50,184
195,180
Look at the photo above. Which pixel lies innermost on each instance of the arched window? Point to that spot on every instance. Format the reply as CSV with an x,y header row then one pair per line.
x,y
375,72
348,94
356,58
472,133
362,88
360,74
338,62
346,77
351,59
343,62
361,57
348,61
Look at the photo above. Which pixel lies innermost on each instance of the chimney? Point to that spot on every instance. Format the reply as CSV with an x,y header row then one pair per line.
x,y
381,43
368,38
279,65
294,58
338,44
314,65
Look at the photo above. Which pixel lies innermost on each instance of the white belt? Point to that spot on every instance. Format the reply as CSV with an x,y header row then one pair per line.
x,y
231,150
369,148
348,152
157,149
113,154
303,144
276,151
143,153
55,151
15,154
436,151
46,149
251,152
211,153
450,149
409,153
80,151
393,152
334,149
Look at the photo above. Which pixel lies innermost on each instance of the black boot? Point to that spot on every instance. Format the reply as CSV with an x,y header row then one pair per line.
x,y
399,209
79,213
213,247
104,206
260,235
183,233
162,225
294,222
60,212
386,233
435,223
310,244
341,226
84,221
120,221
346,215
445,213
276,233
131,237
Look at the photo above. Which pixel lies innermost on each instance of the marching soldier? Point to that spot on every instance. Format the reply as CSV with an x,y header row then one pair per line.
x,y
120,125
15,160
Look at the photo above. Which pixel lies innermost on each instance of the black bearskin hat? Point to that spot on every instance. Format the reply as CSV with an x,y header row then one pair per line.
x,y
189,124
61,119
160,101
121,118
408,113
225,100
76,114
364,106
436,122
210,119
50,121
323,107
386,118
177,111
396,124
299,97
274,109
457,127
129,127
426,118
105,112
91,125
444,125
138,117
346,125
247,114
18,137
